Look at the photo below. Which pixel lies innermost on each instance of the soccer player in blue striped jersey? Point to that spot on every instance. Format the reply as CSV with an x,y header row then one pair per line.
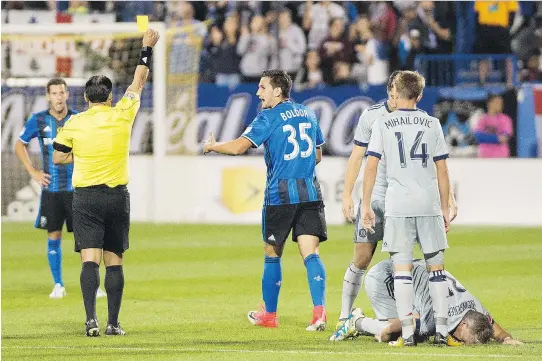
x,y
293,201
55,180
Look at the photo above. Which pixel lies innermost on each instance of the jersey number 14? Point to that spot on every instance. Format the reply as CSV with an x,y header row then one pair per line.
x,y
414,155
293,141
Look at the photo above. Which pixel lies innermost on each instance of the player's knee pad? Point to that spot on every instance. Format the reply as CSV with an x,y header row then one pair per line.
x,y
435,258
401,258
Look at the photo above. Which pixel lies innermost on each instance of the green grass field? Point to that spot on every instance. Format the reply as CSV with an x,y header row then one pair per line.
x,y
189,287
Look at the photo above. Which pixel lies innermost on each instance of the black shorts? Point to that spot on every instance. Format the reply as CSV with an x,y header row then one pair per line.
x,y
493,40
101,218
55,208
307,218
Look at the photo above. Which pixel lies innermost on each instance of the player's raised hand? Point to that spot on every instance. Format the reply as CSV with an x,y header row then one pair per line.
x,y
41,177
150,38
208,144
348,209
368,217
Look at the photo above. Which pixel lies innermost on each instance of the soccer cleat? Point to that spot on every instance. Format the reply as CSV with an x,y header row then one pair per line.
x,y
263,319
319,319
92,328
58,291
348,327
401,342
440,340
100,293
114,330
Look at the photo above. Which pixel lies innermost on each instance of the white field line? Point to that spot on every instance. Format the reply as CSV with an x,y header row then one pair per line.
x,y
296,352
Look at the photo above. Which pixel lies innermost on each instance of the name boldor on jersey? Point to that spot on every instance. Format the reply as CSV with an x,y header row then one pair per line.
x,y
362,137
412,141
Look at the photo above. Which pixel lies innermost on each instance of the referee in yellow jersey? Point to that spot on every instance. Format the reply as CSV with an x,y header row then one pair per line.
x,y
98,142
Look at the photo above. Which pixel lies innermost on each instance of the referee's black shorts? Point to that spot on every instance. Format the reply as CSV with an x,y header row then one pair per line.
x,y
101,218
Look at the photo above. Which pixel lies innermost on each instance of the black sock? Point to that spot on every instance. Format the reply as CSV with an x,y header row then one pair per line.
x,y
90,281
114,285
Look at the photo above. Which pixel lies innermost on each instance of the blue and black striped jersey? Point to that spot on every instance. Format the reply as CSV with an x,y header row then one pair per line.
x,y
44,126
290,134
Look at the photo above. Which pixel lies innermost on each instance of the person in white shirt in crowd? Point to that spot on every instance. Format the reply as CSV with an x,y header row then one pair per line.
x,y
257,49
292,43
316,19
310,75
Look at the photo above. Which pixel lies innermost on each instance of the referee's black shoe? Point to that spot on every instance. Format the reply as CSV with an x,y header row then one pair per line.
x,y
92,329
112,330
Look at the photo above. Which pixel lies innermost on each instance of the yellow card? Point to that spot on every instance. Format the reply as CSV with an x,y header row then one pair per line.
x,y
142,23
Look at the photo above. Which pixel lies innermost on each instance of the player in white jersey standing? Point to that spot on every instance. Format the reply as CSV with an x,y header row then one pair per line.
x,y
365,243
416,202
468,321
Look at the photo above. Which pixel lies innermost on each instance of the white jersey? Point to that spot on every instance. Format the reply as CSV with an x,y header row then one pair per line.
x,y
460,300
412,141
362,138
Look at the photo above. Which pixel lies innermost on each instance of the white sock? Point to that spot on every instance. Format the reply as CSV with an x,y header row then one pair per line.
x,y
438,289
404,299
370,325
353,278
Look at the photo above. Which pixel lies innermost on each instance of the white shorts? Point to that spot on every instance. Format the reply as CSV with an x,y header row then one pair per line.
x,y
380,290
401,233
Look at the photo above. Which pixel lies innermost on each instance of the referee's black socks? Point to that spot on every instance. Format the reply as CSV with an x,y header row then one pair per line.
x,y
90,281
114,285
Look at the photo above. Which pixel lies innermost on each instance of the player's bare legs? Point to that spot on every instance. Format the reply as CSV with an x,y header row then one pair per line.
x,y
54,256
316,275
90,281
114,286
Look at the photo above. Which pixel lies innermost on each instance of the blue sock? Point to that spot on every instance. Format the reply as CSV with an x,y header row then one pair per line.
x,y
54,255
316,275
271,282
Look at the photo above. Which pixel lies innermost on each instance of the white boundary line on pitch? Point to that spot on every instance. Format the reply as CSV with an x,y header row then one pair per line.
x,y
193,349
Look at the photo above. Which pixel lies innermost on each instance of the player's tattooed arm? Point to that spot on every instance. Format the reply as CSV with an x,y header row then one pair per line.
x,y
350,177
503,336
453,204
369,177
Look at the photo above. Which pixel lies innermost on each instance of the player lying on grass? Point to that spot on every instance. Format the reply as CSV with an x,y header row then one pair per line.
x,y
468,321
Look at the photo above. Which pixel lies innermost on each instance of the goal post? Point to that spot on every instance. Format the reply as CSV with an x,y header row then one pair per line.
x,y
81,48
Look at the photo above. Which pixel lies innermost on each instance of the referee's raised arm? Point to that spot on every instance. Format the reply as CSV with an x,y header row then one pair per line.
x,y
98,140
142,70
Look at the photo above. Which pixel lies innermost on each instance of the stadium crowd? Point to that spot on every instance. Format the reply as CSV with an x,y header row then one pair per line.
x,y
333,43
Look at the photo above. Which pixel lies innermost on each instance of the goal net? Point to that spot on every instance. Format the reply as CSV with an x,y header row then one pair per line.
x,y
33,53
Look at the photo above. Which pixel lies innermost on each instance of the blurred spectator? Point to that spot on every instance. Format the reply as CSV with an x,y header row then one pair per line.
x,y
493,36
335,48
370,60
532,71
341,74
310,75
292,43
257,49
383,20
224,60
494,130
181,14
127,11
438,19
29,5
316,20
415,49
218,10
